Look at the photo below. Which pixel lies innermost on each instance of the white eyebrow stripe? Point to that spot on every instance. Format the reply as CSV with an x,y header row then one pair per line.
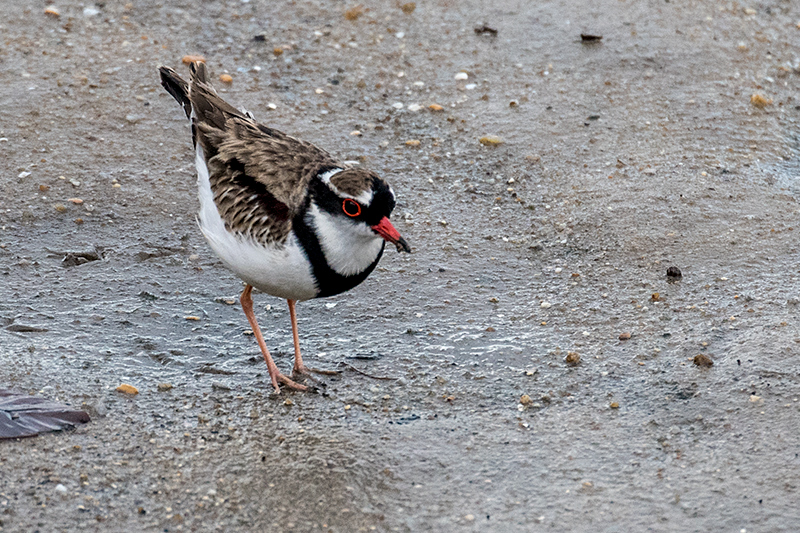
x,y
326,176
365,198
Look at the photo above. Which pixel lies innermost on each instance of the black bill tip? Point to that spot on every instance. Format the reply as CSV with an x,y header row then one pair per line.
x,y
402,245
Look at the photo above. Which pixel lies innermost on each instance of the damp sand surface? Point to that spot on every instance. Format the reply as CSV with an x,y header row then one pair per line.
x,y
484,384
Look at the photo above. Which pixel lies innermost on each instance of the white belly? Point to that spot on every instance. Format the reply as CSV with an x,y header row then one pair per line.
x,y
282,271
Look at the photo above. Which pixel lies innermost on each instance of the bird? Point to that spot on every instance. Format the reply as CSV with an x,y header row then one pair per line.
x,y
281,213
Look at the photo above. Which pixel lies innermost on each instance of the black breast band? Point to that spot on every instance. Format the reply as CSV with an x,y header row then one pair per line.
x,y
329,282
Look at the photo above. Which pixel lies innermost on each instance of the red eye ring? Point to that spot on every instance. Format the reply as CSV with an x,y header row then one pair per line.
x,y
351,208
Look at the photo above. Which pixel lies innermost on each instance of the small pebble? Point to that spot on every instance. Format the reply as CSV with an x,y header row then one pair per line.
x,y
225,78
545,305
414,107
61,489
188,60
462,76
277,50
128,389
488,30
192,317
525,400
760,101
408,7
412,142
702,360
354,12
614,405
469,517
163,387
76,201
572,358
435,107
355,133
51,11
625,335
674,272
44,188
61,208
491,140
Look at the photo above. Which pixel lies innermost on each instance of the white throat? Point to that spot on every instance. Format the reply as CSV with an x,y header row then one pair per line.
x,y
350,247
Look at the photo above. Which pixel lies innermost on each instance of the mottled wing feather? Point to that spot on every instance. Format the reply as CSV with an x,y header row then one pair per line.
x,y
259,175
279,162
246,206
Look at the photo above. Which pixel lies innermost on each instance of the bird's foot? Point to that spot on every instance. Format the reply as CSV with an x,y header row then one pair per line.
x,y
281,379
306,371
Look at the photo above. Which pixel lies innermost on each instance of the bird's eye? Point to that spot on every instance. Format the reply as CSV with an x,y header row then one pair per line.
x,y
351,208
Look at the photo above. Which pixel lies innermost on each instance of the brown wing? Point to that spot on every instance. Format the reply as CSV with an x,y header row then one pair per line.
x,y
271,160
280,163
259,175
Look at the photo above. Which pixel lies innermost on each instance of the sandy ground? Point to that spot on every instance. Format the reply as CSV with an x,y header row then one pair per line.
x,y
620,158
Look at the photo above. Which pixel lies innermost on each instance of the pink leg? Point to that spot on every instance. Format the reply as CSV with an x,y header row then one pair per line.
x,y
299,367
275,375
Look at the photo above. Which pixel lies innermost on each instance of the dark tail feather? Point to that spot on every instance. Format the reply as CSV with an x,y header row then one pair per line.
x,y
199,72
209,108
199,97
177,87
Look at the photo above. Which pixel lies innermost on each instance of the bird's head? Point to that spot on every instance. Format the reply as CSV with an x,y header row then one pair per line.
x,y
361,198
